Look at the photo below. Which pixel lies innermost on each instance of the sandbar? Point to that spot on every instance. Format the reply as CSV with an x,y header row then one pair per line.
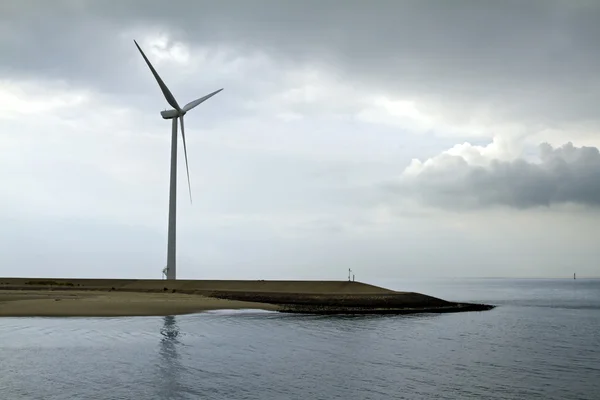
x,y
59,303
46,297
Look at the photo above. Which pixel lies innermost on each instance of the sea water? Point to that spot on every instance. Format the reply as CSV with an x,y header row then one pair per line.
x,y
541,342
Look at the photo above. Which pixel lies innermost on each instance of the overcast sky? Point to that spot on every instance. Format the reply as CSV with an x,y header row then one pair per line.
x,y
397,138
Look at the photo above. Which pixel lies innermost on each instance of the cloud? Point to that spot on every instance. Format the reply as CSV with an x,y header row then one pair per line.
x,y
468,176
469,64
322,103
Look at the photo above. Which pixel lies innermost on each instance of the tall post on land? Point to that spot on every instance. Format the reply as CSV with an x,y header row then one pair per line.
x,y
171,247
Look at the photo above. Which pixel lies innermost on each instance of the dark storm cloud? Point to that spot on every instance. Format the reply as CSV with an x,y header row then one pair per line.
x,y
534,60
57,41
566,174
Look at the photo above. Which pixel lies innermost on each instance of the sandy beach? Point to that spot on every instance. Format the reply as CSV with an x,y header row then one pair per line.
x,y
29,303
47,297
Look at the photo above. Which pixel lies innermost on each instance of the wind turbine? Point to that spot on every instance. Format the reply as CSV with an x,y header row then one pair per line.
x,y
174,114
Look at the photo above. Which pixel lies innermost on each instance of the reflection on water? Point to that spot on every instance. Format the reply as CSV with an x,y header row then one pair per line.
x,y
169,363
170,330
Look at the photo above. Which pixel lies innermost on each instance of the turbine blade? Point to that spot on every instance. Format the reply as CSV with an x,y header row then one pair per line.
x,y
194,103
186,158
166,92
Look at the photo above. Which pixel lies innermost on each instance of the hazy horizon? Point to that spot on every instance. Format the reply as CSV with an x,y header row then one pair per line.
x,y
411,139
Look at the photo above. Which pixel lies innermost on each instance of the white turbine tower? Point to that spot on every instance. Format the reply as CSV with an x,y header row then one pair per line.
x,y
175,114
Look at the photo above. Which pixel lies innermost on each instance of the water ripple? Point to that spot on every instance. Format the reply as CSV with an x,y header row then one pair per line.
x,y
524,349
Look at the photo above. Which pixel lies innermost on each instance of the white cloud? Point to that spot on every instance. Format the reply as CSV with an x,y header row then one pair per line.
x,y
466,154
26,99
495,175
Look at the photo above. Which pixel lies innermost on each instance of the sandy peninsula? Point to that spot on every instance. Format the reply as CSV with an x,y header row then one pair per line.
x,y
49,303
20,297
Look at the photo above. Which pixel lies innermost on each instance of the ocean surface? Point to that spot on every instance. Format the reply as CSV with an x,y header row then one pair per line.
x,y
541,342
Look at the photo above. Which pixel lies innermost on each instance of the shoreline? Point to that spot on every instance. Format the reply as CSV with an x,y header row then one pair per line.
x,y
59,303
48,297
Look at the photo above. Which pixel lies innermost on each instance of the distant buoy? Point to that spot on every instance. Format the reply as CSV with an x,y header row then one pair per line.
x,y
574,277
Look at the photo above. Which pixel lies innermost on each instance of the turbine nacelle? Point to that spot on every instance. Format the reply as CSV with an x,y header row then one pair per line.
x,y
170,114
